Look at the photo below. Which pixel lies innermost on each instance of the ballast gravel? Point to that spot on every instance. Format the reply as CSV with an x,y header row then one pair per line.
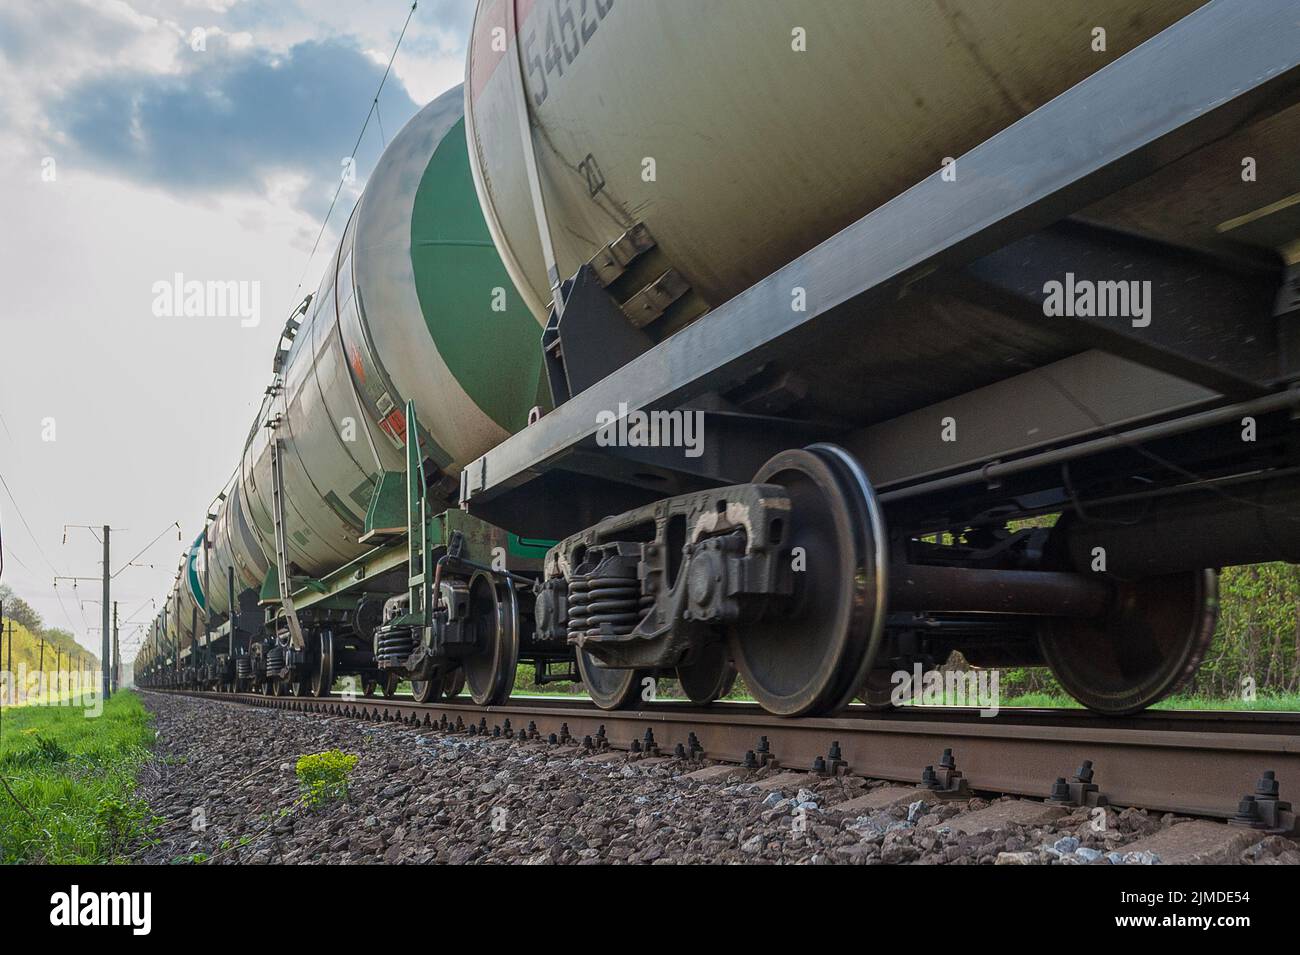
x,y
224,788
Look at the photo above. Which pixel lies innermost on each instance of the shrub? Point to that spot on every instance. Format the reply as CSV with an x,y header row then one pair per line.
x,y
324,776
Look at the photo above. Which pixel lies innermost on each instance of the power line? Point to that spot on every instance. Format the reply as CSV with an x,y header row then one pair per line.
x,y
40,550
175,524
19,511
12,553
374,105
67,616
143,604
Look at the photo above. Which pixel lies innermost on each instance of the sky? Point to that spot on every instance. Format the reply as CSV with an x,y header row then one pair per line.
x,y
140,139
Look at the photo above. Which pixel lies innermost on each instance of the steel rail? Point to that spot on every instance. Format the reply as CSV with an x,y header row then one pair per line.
x,y
1195,763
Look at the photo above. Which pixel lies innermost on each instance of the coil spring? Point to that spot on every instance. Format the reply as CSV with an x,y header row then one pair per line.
x,y
606,604
243,667
275,658
394,646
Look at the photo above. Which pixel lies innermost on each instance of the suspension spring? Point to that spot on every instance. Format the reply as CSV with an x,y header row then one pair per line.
x,y
392,647
606,605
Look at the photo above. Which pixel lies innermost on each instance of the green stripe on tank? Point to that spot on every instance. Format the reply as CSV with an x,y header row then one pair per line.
x,y
196,585
496,356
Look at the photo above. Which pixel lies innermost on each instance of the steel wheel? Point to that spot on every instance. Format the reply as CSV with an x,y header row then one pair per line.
x,y
389,688
302,685
368,686
609,689
430,689
813,654
322,673
494,614
1149,645
709,676
876,692
454,684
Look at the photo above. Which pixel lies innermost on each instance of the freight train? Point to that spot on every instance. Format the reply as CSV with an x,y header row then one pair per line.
x,y
808,341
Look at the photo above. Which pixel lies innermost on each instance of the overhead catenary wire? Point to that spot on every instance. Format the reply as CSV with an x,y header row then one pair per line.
x,y
374,105
23,520
175,524
40,550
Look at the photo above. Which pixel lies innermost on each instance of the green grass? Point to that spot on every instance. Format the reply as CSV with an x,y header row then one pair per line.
x,y
668,690
73,780
1265,701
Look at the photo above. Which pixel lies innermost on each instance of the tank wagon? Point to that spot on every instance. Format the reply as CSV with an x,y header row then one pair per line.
x,y
839,337
412,303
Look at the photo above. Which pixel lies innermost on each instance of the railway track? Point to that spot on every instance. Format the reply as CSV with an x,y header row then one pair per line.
x,y
1192,763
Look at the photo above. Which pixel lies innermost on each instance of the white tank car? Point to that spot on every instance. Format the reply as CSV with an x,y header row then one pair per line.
x,y
414,305
740,133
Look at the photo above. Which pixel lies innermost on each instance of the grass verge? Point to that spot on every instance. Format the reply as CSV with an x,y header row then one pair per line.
x,y
1283,702
71,781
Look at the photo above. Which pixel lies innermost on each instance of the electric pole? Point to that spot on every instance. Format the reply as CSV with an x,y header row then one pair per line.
x,y
40,681
104,603
105,654
7,698
114,658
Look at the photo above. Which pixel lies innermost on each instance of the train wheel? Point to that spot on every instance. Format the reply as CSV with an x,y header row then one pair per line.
x,y
368,687
454,684
389,687
494,612
710,676
609,689
813,656
430,689
1150,643
876,692
322,673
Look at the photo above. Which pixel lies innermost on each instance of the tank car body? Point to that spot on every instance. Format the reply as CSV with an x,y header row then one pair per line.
x,y
414,306
742,133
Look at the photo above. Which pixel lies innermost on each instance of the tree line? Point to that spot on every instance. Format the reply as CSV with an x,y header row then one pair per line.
x,y
29,633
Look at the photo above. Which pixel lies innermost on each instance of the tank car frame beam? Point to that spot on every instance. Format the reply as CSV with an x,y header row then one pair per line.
x,y
1207,323
1213,71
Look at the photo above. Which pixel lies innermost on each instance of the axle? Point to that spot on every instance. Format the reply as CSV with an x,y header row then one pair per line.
x,y
928,588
